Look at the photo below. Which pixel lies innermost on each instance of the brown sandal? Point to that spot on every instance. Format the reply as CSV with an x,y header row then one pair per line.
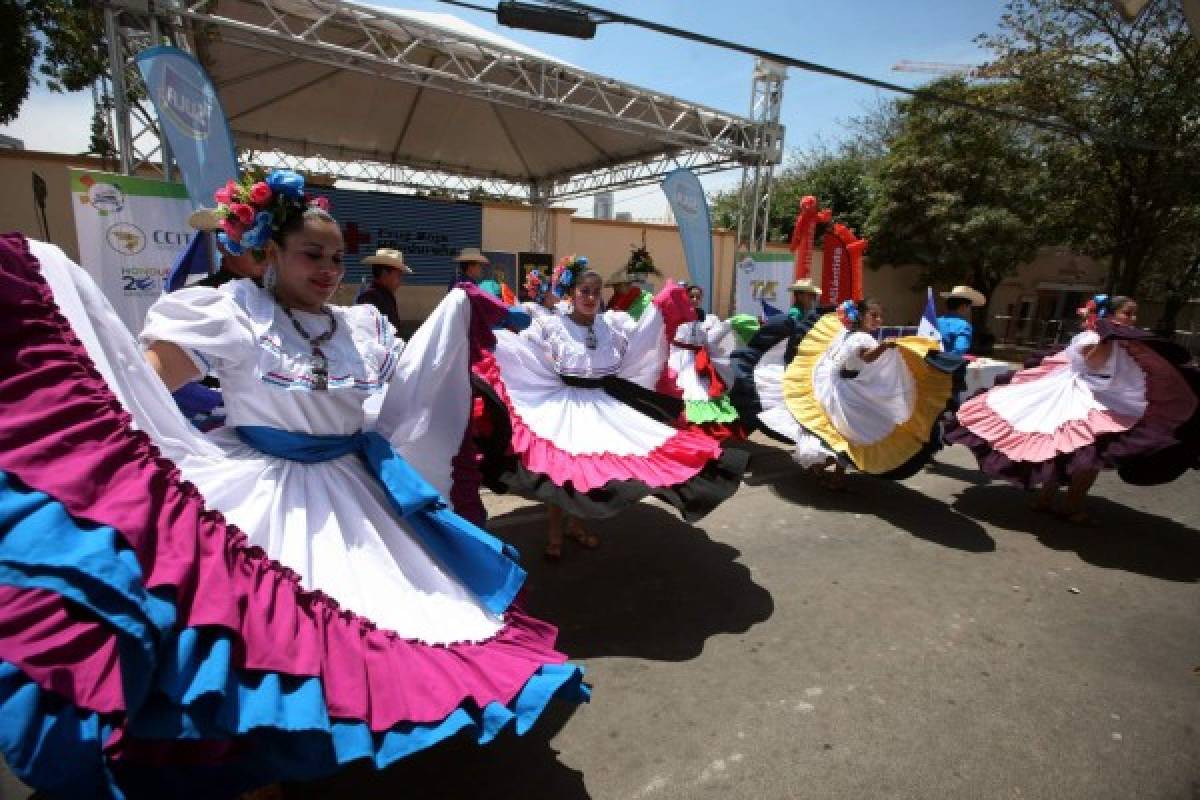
x,y
581,535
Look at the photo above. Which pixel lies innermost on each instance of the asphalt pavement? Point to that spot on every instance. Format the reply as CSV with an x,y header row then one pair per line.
x,y
923,639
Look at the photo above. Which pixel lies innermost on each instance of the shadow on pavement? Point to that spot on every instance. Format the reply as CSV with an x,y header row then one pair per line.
x,y
509,768
919,514
767,461
657,588
1120,538
970,475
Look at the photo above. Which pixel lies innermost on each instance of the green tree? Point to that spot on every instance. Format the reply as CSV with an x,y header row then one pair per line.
x,y
957,193
1126,186
67,35
840,179
18,48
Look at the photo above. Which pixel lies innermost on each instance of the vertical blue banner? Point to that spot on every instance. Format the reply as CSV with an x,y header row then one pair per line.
x,y
192,120
690,207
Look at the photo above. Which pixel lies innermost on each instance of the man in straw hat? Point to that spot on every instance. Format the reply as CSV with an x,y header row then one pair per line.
x,y
955,324
387,273
627,295
471,262
206,222
804,298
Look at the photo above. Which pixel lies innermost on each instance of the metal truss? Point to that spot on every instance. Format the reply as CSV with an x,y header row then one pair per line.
x,y
369,40
129,29
390,176
643,173
754,208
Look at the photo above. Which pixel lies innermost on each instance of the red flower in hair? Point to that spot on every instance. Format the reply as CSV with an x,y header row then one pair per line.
x,y
243,212
233,229
227,194
260,194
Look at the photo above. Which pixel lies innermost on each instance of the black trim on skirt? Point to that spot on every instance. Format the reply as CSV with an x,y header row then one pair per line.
x,y
503,472
664,408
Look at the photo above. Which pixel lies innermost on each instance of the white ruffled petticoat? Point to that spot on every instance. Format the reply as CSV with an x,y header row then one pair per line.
x,y
328,521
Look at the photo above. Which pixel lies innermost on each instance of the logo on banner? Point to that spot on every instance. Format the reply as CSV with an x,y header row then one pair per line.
x,y
746,265
105,198
188,105
761,289
687,199
126,239
835,284
142,281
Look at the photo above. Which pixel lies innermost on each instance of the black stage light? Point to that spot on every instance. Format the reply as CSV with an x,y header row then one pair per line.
x,y
545,20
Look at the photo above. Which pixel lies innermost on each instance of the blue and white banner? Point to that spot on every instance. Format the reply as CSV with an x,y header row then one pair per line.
x,y
690,207
928,326
192,120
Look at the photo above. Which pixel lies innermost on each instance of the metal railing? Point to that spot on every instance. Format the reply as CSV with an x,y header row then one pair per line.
x,y
1028,332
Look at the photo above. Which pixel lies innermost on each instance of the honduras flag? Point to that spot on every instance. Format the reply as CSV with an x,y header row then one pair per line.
x,y
928,326
193,263
769,310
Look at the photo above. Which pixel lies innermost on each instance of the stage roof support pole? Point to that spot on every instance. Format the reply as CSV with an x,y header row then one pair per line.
x,y
766,101
120,92
539,225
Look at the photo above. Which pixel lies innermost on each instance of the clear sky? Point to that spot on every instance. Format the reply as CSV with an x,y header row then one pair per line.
x,y
864,36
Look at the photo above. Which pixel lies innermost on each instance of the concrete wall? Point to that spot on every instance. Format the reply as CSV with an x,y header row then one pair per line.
x,y
607,244
17,210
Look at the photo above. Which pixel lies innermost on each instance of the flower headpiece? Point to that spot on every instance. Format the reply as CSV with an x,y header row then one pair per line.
x,y
847,312
641,264
252,210
536,285
1098,307
566,274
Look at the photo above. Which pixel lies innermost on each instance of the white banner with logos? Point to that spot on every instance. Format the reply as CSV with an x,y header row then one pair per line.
x,y
130,232
761,284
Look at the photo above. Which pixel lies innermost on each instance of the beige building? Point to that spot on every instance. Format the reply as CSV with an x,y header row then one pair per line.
x,y
1029,306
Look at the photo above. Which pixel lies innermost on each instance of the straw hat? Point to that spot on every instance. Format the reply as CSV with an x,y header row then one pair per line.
x,y
620,276
805,285
204,219
966,293
388,257
471,255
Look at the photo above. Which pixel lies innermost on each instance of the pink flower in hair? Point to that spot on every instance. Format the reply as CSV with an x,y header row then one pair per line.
x,y
319,202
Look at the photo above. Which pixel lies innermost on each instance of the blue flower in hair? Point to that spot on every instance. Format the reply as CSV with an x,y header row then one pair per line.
x,y
582,261
849,310
1102,302
257,236
287,183
567,278
229,245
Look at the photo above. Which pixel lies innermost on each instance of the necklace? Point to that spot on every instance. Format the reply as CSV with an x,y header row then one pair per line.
x,y
589,340
320,364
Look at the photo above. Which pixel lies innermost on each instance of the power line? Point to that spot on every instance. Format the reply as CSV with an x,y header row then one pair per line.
x,y
834,72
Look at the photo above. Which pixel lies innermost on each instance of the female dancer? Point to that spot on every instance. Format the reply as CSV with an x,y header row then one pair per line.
x,y
842,397
588,435
1115,397
349,614
698,370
